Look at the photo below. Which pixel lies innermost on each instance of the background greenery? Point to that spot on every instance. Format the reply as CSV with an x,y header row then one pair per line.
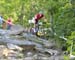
x,y
59,16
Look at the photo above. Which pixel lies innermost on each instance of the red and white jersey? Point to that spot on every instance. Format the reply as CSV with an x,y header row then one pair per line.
x,y
9,22
37,17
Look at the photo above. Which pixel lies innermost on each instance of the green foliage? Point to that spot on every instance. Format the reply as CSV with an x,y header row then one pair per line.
x,y
66,57
63,20
70,42
62,12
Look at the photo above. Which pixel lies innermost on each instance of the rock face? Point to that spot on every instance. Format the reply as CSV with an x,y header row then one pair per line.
x,y
16,29
2,47
29,47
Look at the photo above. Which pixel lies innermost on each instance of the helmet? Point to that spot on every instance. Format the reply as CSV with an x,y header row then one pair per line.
x,y
9,20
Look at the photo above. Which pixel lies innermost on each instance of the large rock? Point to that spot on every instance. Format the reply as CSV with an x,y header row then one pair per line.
x,y
15,29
